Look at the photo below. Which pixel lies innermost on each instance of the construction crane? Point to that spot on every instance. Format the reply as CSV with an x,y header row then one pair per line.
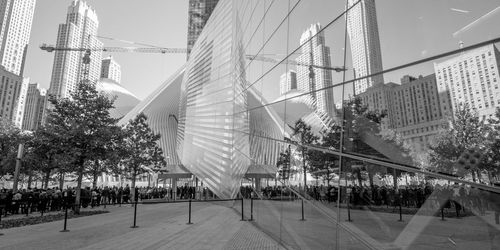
x,y
88,52
293,62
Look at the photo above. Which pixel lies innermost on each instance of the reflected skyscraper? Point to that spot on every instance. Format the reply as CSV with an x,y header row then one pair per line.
x,y
288,81
199,12
79,31
110,69
315,52
362,28
33,110
16,18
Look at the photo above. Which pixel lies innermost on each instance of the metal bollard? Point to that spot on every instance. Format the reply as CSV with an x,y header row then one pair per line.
x,y
189,220
442,214
251,209
302,209
349,209
242,210
400,212
65,218
135,214
1,219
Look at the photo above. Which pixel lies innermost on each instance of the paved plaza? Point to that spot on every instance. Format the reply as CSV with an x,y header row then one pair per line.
x,y
275,225
161,226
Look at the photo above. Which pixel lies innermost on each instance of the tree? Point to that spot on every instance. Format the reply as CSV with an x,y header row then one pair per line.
x,y
10,137
467,132
491,160
302,132
322,163
108,159
141,151
82,124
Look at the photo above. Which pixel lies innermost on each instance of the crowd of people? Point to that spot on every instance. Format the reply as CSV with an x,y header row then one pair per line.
x,y
456,197
459,197
54,199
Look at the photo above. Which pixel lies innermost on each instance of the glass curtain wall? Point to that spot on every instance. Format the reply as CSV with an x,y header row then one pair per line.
x,y
380,119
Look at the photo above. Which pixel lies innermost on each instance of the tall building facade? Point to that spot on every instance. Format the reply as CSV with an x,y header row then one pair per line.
x,y
13,90
413,107
34,107
111,69
315,52
288,81
470,79
16,17
362,29
198,13
79,31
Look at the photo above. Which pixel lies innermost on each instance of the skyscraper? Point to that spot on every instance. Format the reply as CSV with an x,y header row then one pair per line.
x,y
199,12
16,17
13,89
288,81
111,69
366,55
33,110
79,31
315,52
470,80
413,108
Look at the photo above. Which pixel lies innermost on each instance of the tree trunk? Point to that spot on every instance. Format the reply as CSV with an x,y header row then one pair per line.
x,y
30,179
95,174
94,179
360,179
46,180
132,186
305,173
490,178
395,179
134,176
61,181
79,186
327,176
370,178
473,175
479,178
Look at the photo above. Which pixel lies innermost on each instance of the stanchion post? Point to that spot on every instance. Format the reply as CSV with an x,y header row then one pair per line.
x,y
251,209
442,214
189,218
302,209
65,219
1,218
400,209
349,208
135,215
242,210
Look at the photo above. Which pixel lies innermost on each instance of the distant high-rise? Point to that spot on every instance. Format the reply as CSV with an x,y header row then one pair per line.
x,y
79,31
33,109
288,81
471,80
315,52
413,107
198,13
366,55
111,69
13,89
16,17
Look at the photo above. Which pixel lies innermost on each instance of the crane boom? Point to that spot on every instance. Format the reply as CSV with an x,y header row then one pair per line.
x,y
52,48
272,60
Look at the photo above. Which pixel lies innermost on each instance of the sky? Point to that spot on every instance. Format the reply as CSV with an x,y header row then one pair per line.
x,y
409,30
156,22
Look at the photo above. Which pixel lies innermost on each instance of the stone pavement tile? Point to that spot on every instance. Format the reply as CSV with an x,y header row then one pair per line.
x,y
215,227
